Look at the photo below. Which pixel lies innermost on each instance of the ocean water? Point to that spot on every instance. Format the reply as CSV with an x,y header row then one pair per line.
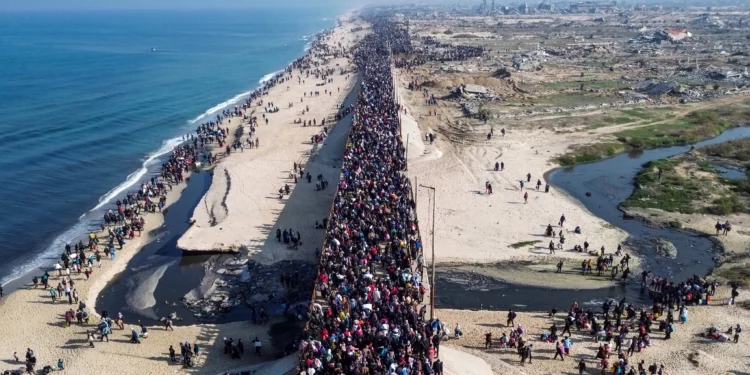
x,y
90,102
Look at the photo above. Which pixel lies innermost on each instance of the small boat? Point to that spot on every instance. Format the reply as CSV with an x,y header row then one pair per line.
x,y
153,49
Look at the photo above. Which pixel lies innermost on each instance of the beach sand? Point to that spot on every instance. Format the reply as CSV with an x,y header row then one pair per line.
x,y
685,353
29,319
472,227
241,208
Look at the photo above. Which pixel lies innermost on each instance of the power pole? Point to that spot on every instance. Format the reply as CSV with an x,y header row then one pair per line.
x,y
432,279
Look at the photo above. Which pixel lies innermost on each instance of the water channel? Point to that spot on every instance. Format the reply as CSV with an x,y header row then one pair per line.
x,y
610,181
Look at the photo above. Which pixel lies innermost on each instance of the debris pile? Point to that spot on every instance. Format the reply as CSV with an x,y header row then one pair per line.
x,y
232,281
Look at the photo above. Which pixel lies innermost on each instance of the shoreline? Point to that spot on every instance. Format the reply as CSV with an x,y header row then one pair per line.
x,y
14,281
41,313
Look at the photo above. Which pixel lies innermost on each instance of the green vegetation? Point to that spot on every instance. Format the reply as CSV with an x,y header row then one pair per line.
x,y
660,126
737,149
623,120
691,128
674,224
448,32
726,205
647,113
672,193
519,245
677,191
593,152
705,166
740,275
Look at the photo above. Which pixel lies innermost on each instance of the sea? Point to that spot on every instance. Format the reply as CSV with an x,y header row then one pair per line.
x,y
92,102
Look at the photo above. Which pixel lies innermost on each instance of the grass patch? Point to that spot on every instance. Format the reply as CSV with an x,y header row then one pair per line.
x,y
705,166
623,120
672,193
640,113
727,204
519,245
740,275
693,127
464,36
737,149
690,128
676,192
674,224
593,152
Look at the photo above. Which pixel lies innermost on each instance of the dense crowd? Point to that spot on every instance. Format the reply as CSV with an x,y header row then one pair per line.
x,y
369,320
434,50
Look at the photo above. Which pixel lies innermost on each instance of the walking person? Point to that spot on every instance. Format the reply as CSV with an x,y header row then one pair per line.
x,y
437,367
90,338
559,351
257,346
511,318
737,331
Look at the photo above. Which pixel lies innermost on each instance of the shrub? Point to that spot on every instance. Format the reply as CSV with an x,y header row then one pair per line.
x,y
727,205
675,224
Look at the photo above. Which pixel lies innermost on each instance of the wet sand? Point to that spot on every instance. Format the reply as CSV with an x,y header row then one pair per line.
x,y
30,320
708,356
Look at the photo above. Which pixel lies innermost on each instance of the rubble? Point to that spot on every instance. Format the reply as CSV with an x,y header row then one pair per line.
x,y
650,87
529,61
233,281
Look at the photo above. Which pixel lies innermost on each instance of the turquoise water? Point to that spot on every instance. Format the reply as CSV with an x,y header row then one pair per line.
x,y
89,102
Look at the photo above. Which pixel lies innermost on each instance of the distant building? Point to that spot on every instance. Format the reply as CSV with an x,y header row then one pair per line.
x,y
675,35
592,6
545,6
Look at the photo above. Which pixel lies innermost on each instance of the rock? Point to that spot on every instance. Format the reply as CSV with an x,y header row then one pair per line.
x,y
666,248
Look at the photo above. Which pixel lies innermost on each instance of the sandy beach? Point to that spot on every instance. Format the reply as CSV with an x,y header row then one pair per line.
x,y
687,352
255,176
242,209
368,292
473,227
43,330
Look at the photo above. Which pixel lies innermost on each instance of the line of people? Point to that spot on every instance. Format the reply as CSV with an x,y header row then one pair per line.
x,y
372,322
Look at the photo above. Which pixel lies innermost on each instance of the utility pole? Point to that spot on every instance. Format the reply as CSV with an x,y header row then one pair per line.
x,y
406,155
432,278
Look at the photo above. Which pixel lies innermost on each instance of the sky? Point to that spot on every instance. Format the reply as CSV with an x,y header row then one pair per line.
x,y
49,5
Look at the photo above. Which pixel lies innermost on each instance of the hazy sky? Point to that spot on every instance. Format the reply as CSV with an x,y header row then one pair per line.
x,y
6,5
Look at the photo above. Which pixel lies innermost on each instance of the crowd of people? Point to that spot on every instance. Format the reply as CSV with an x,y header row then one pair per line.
x,y
369,319
434,50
